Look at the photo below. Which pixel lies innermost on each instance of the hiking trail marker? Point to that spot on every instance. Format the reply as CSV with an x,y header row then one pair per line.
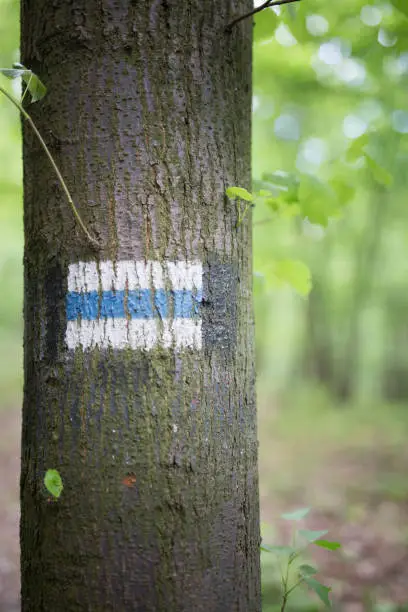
x,y
134,304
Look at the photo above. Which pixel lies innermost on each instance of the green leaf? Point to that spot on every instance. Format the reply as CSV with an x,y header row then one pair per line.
x,y
265,548
281,206
296,23
318,200
345,191
289,211
296,515
379,174
272,204
36,88
356,148
239,192
278,550
11,73
296,274
53,482
307,570
327,545
321,590
401,5
310,535
281,183
264,193
265,25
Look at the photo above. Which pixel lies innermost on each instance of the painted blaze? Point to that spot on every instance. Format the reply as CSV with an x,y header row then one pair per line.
x,y
135,304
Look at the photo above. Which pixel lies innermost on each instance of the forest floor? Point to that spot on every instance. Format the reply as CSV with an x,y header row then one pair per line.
x,y
349,466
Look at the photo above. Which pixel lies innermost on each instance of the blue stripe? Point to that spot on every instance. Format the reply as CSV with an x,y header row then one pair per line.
x,y
137,304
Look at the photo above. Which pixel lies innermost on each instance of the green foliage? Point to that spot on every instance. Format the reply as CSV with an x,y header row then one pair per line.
x,y
296,515
321,590
312,535
53,483
379,174
327,545
37,91
307,570
34,85
239,192
11,273
329,109
280,198
318,200
265,27
291,272
402,6
293,577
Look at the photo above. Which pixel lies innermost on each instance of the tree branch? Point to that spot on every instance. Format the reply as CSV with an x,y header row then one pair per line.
x,y
263,6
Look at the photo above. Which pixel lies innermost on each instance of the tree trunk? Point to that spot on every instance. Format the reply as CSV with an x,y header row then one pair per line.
x,y
318,354
139,367
367,254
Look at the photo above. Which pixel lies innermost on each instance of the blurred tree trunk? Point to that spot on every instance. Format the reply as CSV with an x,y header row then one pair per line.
x,y
395,365
368,249
139,365
321,363
318,353
318,349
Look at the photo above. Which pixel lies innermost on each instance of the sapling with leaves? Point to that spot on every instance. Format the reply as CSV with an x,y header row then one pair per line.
x,y
294,573
278,192
36,90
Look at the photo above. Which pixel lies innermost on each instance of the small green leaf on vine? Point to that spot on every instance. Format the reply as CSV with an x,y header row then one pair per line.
x,y
327,545
53,483
239,192
35,86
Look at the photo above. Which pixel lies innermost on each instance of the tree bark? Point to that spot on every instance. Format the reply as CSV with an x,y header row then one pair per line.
x,y
139,364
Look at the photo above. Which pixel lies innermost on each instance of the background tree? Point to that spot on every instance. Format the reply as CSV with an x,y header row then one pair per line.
x,y
350,65
139,368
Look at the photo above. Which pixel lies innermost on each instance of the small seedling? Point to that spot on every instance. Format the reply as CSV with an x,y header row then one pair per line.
x,y
238,194
281,200
294,575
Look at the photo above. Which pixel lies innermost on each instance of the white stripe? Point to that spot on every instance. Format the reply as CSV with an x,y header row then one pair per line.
x,y
137,334
108,277
87,276
185,274
157,275
83,276
73,273
186,333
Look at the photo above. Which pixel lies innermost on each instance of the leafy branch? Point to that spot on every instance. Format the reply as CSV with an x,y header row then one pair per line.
x,y
37,91
282,200
305,573
265,5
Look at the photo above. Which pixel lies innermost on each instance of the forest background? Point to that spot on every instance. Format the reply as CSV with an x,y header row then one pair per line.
x,y
330,126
